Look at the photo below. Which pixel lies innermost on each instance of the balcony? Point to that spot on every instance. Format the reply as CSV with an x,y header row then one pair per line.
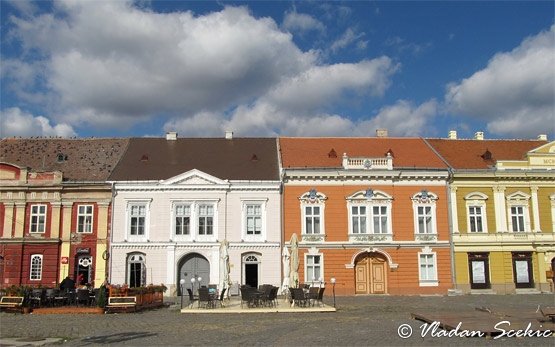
x,y
370,238
360,163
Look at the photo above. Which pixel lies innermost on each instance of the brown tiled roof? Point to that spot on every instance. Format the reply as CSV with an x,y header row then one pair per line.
x,y
235,159
319,152
481,154
84,159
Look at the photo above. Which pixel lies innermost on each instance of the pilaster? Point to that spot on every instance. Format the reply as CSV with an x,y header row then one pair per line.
x,y
8,220
19,219
535,209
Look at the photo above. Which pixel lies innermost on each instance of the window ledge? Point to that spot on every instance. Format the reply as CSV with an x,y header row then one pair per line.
x,y
432,283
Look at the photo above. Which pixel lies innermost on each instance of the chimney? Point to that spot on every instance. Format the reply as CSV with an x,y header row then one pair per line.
x,y
479,135
229,135
381,132
542,137
452,134
171,136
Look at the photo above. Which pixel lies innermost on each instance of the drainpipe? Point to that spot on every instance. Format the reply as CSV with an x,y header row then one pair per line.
x,y
450,223
111,237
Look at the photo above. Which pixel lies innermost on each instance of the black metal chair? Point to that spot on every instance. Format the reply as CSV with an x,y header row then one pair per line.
x,y
83,296
247,295
313,295
321,296
37,297
50,296
298,297
204,298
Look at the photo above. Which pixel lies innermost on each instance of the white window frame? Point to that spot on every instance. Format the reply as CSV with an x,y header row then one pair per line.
x,y
194,215
173,223
313,199
310,254
32,267
476,200
379,199
39,215
84,215
244,220
519,200
141,260
425,200
430,257
358,218
137,238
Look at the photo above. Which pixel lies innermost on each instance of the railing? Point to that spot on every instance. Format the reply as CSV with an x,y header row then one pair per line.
x,y
370,238
361,163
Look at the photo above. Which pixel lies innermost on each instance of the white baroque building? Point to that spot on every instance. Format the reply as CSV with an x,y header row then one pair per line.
x,y
176,200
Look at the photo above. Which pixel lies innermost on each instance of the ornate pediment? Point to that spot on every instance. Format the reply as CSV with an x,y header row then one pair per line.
x,y
194,177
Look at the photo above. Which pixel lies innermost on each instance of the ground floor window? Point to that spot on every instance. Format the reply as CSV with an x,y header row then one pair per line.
x,y
36,267
523,273
478,267
427,269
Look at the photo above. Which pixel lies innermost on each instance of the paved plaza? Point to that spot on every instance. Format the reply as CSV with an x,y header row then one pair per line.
x,y
358,321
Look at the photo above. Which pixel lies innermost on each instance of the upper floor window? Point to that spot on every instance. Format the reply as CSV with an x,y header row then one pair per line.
x,y
424,207
36,267
84,218
253,215
518,212
138,215
182,219
358,217
193,219
206,219
254,219
476,212
369,205
312,214
38,219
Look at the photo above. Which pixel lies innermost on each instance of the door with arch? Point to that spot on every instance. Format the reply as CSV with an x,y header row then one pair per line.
x,y
194,266
83,269
251,269
371,274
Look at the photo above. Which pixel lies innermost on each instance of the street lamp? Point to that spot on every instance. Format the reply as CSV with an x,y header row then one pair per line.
x,y
332,280
181,284
193,284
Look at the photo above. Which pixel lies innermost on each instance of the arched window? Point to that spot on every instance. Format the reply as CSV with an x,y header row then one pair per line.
x,y
136,270
36,267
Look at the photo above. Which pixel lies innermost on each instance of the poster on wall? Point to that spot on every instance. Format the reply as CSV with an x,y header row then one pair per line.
x,y
521,267
478,272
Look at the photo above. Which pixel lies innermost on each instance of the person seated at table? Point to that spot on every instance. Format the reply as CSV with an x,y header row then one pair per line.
x,y
67,284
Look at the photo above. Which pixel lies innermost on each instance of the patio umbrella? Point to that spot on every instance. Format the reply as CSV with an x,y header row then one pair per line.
x,y
294,275
286,269
224,266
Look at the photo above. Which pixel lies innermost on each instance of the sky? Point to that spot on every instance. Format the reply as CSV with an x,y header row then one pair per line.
x,y
96,68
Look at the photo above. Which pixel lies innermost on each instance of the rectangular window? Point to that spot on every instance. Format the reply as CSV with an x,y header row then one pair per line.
x,y
517,217
313,268
359,219
254,219
380,219
36,267
84,218
206,220
137,220
425,220
312,219
38,219
428,272
182,219
475,219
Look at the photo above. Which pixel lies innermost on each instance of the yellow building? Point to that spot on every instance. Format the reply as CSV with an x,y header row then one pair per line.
x,y
502,213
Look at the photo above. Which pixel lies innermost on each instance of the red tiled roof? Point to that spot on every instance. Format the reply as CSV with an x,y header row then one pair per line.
x,y
471,154
84,159
318,152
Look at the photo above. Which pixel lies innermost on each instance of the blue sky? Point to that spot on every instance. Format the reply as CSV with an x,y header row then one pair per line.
x,y
267,68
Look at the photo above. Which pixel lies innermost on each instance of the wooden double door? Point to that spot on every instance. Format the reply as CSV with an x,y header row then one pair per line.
x,y
371,275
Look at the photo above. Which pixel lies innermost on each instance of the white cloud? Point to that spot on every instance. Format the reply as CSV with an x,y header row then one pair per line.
x,y
25,7
348,37
514,93
300,22
15,122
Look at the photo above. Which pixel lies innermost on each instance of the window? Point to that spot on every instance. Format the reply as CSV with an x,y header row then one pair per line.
x,y
425,220
517,218
254,219
427,268
476,212
137,220
424,207
38,219
84,218
206,220
136,270
182,219
36,267
313,268
380,219
358,216
312,220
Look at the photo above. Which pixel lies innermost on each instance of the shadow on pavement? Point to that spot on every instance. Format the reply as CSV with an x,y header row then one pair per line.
x,y
115,338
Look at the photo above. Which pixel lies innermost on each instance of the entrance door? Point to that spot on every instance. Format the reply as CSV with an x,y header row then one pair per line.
x,y
478,265
522,270
251,270
194,266
83,271
371,275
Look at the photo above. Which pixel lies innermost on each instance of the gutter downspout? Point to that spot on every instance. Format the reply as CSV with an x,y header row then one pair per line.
x,y
450,223
111,237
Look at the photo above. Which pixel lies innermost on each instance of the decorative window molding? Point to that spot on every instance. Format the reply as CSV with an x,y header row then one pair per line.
x,y
369,214
476,217
37,222
36,267
518,212
253,220
312,216
85,219
424,211
137,220
427,268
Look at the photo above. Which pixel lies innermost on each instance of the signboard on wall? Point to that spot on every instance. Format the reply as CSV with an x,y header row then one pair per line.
x,y
65,260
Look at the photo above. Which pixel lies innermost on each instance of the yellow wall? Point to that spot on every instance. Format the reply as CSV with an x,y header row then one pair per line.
x,y
546,219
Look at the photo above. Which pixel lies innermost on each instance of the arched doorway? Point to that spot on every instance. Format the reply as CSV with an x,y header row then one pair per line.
x,y
195,266
83,269
251,269
136,270
371,274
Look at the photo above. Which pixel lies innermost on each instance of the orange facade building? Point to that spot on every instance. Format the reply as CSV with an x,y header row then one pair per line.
x,y
370,212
